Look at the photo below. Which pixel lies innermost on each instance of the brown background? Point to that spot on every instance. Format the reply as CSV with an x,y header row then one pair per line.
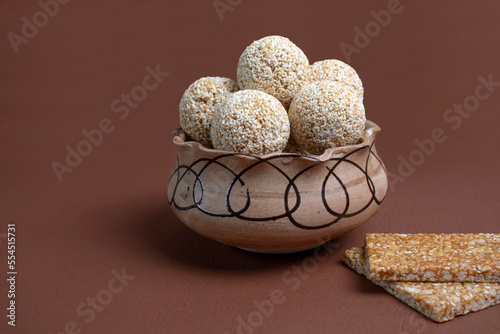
x,y
111,211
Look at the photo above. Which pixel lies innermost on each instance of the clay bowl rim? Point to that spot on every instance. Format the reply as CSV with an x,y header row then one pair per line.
x,y
367,139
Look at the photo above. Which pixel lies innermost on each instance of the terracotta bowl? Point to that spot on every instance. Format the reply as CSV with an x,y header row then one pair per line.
x,y
280,202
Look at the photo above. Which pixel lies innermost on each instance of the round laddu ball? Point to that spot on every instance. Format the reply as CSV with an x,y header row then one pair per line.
x,y
274,65
251,122
198,103
337,70
326,114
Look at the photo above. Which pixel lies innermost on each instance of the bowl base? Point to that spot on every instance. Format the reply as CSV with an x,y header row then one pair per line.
x,y
282,250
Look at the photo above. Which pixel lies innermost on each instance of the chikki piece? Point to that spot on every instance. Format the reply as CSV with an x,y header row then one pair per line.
x,y
433,257
438,301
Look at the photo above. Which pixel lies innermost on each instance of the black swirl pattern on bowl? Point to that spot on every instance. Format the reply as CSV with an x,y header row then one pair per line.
x,y
203,165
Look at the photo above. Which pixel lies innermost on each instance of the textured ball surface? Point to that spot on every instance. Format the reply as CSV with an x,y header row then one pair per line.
x,y
198,103
274,65
336,70
326,114
252,122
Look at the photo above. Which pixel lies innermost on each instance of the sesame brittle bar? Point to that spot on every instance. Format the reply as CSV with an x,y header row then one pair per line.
x,y
438,301
433,257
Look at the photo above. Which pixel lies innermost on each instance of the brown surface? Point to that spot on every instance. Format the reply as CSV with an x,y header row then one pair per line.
x,y
111,211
